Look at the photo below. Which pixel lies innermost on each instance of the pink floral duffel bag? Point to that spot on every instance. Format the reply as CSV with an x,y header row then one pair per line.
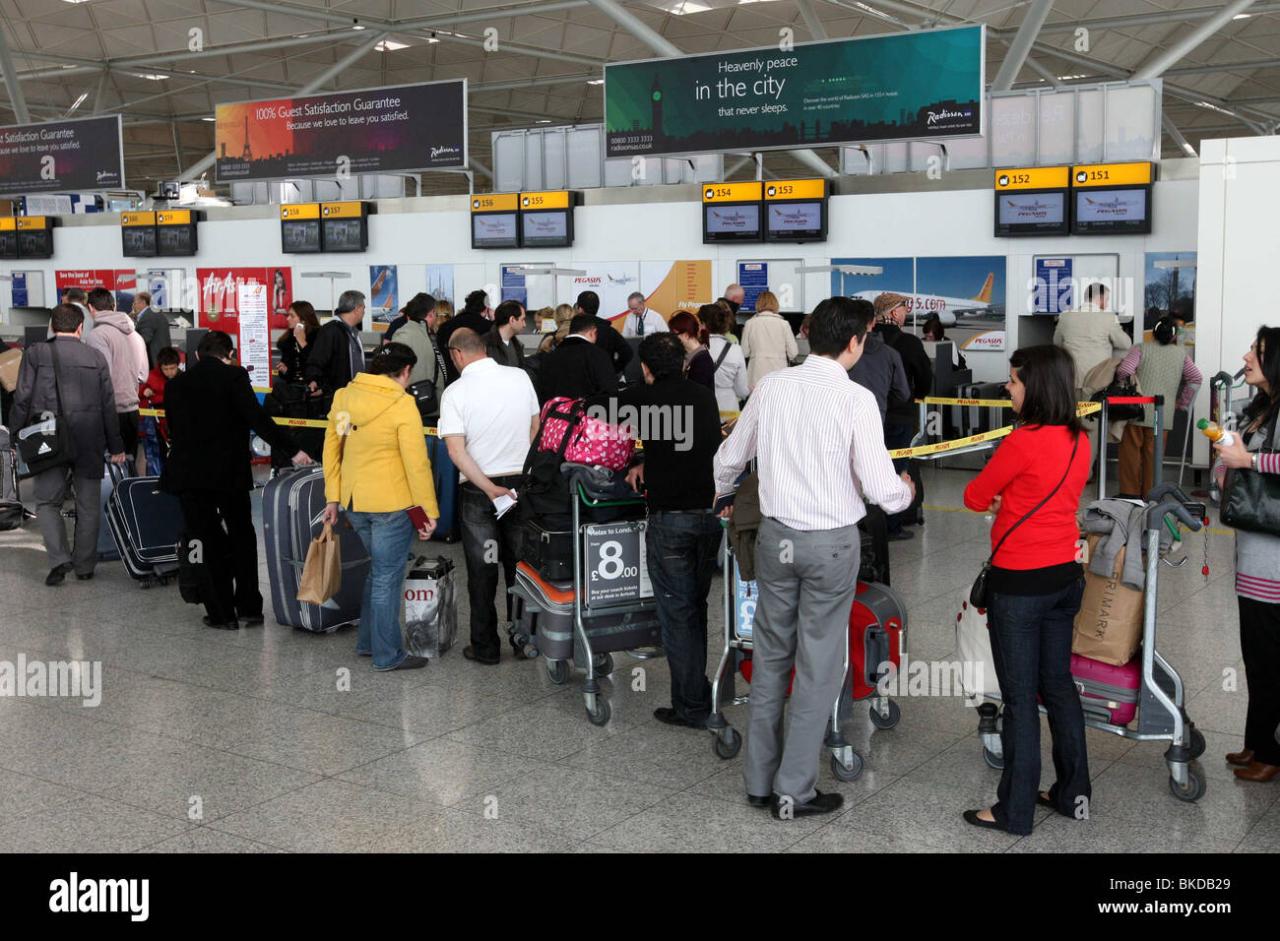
x,y
582,439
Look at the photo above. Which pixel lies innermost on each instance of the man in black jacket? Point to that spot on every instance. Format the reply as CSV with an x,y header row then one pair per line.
x,y
900,420
679,423
336,354
89,409
211,409
607,338
476,315
502,342
577,367
152,325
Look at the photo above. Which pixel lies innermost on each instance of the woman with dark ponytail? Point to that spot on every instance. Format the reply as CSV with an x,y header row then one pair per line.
x,y
1163,368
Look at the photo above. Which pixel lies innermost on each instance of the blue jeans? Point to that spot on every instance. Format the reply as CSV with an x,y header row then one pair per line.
x,y
1031,648
386,537
680,549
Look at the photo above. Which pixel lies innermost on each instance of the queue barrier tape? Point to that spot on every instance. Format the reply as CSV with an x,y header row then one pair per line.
x,y
287,422
941,447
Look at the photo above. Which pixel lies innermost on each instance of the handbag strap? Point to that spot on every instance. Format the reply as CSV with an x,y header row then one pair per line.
x,y
720,359
57,379
1009,532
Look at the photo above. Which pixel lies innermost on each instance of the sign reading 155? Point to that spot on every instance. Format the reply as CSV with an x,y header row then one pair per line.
x,y
534,200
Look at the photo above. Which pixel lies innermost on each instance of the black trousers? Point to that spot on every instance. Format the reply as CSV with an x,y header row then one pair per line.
x,y
222,521
1260,645
488,542
129,433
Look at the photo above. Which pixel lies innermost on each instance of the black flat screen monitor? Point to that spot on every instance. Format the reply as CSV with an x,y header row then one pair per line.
x,y
346,235
550,229
731,222
8,245
796,222
1029,214
35,243
494,230
1121,211
177,241
301,237
138,241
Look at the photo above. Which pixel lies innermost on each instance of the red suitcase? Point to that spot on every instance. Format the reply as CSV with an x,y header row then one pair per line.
x,y
876,622
1108,692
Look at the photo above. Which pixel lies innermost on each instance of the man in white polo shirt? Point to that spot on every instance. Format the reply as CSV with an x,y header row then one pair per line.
x,y
488,418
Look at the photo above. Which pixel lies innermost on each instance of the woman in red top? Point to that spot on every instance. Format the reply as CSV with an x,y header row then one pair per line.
x,y
1035,584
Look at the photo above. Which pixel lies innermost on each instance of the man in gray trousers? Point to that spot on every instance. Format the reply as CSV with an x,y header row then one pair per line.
x,y
89,409
820,448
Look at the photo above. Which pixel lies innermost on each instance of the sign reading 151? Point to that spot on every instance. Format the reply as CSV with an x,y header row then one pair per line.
x,y
1085,176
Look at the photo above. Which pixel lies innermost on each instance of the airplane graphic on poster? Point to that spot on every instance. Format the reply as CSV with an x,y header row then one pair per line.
x,y
947,309
1033,210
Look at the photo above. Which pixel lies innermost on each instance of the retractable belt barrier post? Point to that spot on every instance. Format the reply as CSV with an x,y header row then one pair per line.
x,y
1157,446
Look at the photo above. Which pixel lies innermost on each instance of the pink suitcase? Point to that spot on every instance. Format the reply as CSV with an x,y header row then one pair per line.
x,y
1108,692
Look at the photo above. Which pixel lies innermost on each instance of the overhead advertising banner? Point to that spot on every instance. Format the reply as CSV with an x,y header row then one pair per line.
x,y
84,154
904,86
381,130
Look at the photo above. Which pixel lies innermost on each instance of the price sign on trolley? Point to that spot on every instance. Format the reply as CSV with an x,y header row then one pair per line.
x,y
616,571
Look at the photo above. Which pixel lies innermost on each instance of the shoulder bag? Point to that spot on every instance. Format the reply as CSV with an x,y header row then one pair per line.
x,y
724,351
980,594
46,442
1250,499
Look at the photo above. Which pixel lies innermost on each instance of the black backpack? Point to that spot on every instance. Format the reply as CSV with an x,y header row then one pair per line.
x,y
545,491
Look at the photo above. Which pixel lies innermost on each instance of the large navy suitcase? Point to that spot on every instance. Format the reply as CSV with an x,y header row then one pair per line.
x,y
108,551
445,474
12,513
145,523
292,504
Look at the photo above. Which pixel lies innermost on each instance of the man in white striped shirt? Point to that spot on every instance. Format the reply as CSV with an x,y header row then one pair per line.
x,y
820,448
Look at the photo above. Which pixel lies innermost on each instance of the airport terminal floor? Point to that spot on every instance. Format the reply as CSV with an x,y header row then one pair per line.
x,y
228,742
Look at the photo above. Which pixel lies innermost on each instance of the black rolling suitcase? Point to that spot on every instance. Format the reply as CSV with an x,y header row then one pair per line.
x,y
12,513
292,505
108,550
145,523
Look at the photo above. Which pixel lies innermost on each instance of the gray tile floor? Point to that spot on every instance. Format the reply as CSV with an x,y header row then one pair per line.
x,y
213,742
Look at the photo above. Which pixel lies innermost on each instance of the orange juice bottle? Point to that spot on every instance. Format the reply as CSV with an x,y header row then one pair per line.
x,y
1215,432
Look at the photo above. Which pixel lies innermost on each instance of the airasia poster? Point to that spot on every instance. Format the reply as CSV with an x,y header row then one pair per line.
x,y
122,282
220,293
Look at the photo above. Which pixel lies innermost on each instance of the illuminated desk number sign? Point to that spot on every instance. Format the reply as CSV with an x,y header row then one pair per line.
x,y
732,212
1112,198
35,236
176,233
795,210
8,238
345,226
546,219
1032,201
495,220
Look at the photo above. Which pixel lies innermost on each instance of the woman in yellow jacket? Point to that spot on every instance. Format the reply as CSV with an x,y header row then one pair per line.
x,y
376,468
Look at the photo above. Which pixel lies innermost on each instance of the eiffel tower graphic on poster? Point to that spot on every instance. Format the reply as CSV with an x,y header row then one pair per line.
x,y
247,154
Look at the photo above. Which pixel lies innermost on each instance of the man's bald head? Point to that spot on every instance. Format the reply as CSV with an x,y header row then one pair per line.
x,y
466,347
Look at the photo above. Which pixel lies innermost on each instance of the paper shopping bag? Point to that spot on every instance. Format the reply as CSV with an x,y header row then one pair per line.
x,y
322,572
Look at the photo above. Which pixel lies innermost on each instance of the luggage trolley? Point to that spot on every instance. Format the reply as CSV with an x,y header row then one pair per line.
x,y
1161,713
559,621
876,610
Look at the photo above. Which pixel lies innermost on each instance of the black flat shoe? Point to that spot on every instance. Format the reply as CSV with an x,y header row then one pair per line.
x,y
57,575
86,577
669,716
232,625
787,809
971,817
251,620
470,653
1045,802
756,801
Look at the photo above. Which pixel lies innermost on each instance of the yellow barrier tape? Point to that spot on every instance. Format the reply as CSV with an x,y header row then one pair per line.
x,y
941,447
1089,407
288,422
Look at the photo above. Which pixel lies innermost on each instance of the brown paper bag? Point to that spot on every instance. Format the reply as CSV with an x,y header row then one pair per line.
x,y
322,572
1108,626
10,361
